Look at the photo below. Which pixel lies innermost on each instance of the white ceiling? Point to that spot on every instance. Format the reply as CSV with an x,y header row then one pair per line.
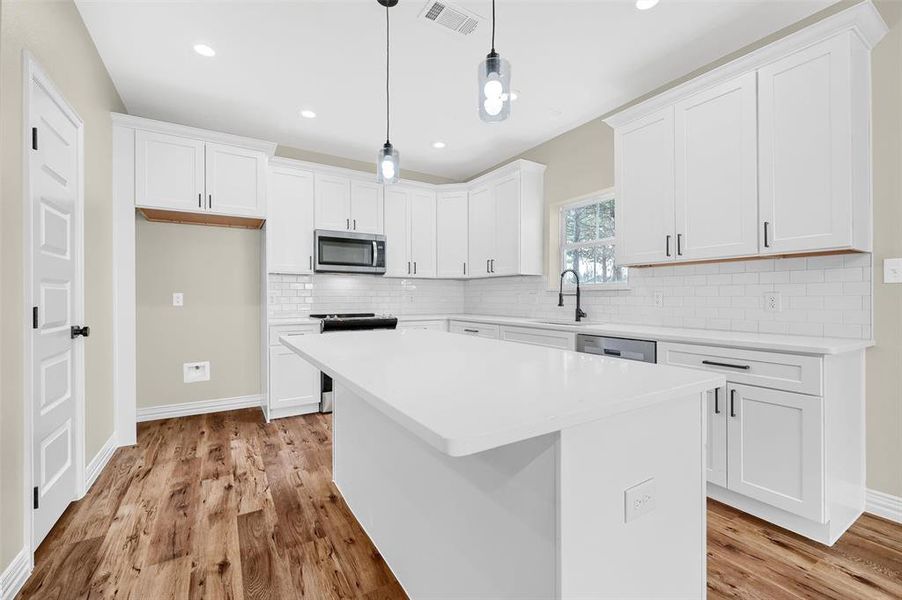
x,y
572,61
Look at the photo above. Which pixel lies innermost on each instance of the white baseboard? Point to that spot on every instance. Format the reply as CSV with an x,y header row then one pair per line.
x,y
883,505
200,407
100,460
15,575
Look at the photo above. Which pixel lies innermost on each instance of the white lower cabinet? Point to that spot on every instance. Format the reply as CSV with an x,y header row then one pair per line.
x,y
294,384
476,329
550,338
427,324
716,447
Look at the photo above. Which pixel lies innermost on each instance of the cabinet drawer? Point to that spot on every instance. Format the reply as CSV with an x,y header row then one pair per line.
x,y
477,329
790,372
432,325
539,337
301,329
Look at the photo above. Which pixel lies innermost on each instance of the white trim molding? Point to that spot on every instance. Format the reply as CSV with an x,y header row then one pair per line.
x,y
199,407
97,464
883,505
268,148
15,575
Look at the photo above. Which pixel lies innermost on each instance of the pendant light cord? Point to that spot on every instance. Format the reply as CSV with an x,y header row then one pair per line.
x,y
493,26
387,97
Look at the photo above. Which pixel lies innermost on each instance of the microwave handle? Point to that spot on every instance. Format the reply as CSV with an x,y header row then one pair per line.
x,y
375,253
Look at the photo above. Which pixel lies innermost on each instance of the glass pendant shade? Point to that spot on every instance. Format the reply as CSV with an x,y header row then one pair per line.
x,y
388,165
494,88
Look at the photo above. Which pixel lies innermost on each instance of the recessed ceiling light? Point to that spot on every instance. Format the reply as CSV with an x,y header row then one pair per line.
x,y
438,145
204,50
646,4
308,114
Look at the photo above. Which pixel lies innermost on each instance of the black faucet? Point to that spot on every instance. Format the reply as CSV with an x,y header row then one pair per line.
x,y
560,297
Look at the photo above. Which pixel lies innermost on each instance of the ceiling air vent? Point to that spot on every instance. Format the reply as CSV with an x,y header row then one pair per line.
x,y
451,17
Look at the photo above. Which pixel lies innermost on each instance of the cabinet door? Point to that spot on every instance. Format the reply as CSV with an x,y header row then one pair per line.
x,y
236,181
422,233
366,207
805,149
397,232
776,448
716,448
293,382
289,224
506,194
717,172
169,172
482,231
451,234
643,167
333,202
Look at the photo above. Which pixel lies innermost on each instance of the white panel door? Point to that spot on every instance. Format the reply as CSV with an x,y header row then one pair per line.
x,y
333,202
776,448
643,167
397,232
717,172
451,234
482,231
293,382
54,180
289,224
805,149
422,233
366,207
169,172
236,181
716,445
506,260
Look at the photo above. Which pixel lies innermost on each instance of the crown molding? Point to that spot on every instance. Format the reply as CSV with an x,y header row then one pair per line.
x,y
216,137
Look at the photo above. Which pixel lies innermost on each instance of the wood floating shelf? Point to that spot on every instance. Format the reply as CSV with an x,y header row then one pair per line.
x,y
174,216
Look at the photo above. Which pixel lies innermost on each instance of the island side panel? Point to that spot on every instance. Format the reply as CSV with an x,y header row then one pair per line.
x,y
478,526
660,554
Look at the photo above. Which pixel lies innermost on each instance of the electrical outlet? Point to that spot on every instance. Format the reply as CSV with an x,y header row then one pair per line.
x,y
773,302
196,371
659,299
892,270
639,500
178,299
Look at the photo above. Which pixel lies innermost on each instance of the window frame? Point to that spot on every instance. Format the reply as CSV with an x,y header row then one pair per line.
x,y
563,246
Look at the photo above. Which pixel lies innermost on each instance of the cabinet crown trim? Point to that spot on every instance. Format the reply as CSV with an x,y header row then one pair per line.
x,y
862,19
206,135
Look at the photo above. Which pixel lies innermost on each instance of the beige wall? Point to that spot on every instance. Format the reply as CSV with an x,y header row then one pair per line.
x,y
55,34
581,161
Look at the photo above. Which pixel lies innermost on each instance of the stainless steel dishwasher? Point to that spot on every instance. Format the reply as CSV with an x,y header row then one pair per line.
x,y
614,347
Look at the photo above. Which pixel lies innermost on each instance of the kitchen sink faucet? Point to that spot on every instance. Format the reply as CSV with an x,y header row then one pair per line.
x,y
560,297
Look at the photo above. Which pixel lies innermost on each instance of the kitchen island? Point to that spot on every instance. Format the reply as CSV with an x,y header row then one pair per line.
x,y
485,469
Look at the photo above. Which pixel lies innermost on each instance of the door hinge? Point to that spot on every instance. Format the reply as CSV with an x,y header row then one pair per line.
x,y
34,138
36,502
34,317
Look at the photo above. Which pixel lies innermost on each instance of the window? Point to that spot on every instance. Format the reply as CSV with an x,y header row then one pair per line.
x,y
587,240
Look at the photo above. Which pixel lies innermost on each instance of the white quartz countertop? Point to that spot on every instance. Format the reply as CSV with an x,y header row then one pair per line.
x,y
463,394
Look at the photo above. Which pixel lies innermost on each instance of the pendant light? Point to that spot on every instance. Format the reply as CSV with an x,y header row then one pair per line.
x,y
387,163
494,84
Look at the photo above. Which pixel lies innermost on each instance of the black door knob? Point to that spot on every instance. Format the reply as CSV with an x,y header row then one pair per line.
x,y
77,331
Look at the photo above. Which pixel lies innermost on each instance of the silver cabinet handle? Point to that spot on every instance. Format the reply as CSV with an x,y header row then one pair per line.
x,y
408,267
355,224
414,267
347,223
311,262
714,363
210,201
679,244
667,245
766,241
487,266
732,403
493,265
716,401
199,200
471,330
465,267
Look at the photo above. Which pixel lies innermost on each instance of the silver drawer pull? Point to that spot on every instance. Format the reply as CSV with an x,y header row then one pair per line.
x,y
471,330
728,365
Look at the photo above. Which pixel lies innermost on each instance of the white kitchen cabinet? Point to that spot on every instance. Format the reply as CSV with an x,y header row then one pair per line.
x,y
485,330
481,224
644,181
507,196
776,448
716,176
409,232
451,234
333,202
294,384
423,324
169,171
422,233
366,206
289,226
549,338
813,140
716,442
235,181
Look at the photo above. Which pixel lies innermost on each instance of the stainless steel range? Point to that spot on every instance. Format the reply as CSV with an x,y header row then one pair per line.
x,y
330,323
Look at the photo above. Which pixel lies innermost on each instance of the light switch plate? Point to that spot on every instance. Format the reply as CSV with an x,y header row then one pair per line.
x,y
639,500
196,371
178,299
892,270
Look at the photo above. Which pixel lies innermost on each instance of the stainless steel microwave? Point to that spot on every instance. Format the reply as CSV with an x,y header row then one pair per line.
x,y
348,252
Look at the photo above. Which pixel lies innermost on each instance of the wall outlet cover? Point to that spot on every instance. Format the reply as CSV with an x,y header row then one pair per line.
x,y
659,299
196,371
178,299
773,302
892,270
639,500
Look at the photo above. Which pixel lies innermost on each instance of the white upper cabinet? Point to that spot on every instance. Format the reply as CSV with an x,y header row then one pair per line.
x,y
451,234
643,167
506,192
813,132
169,171
235,180
716,176
422,233
289,227
366,206
409,232
333,202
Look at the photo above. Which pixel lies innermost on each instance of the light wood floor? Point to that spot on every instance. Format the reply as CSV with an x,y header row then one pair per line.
x,y
225,506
